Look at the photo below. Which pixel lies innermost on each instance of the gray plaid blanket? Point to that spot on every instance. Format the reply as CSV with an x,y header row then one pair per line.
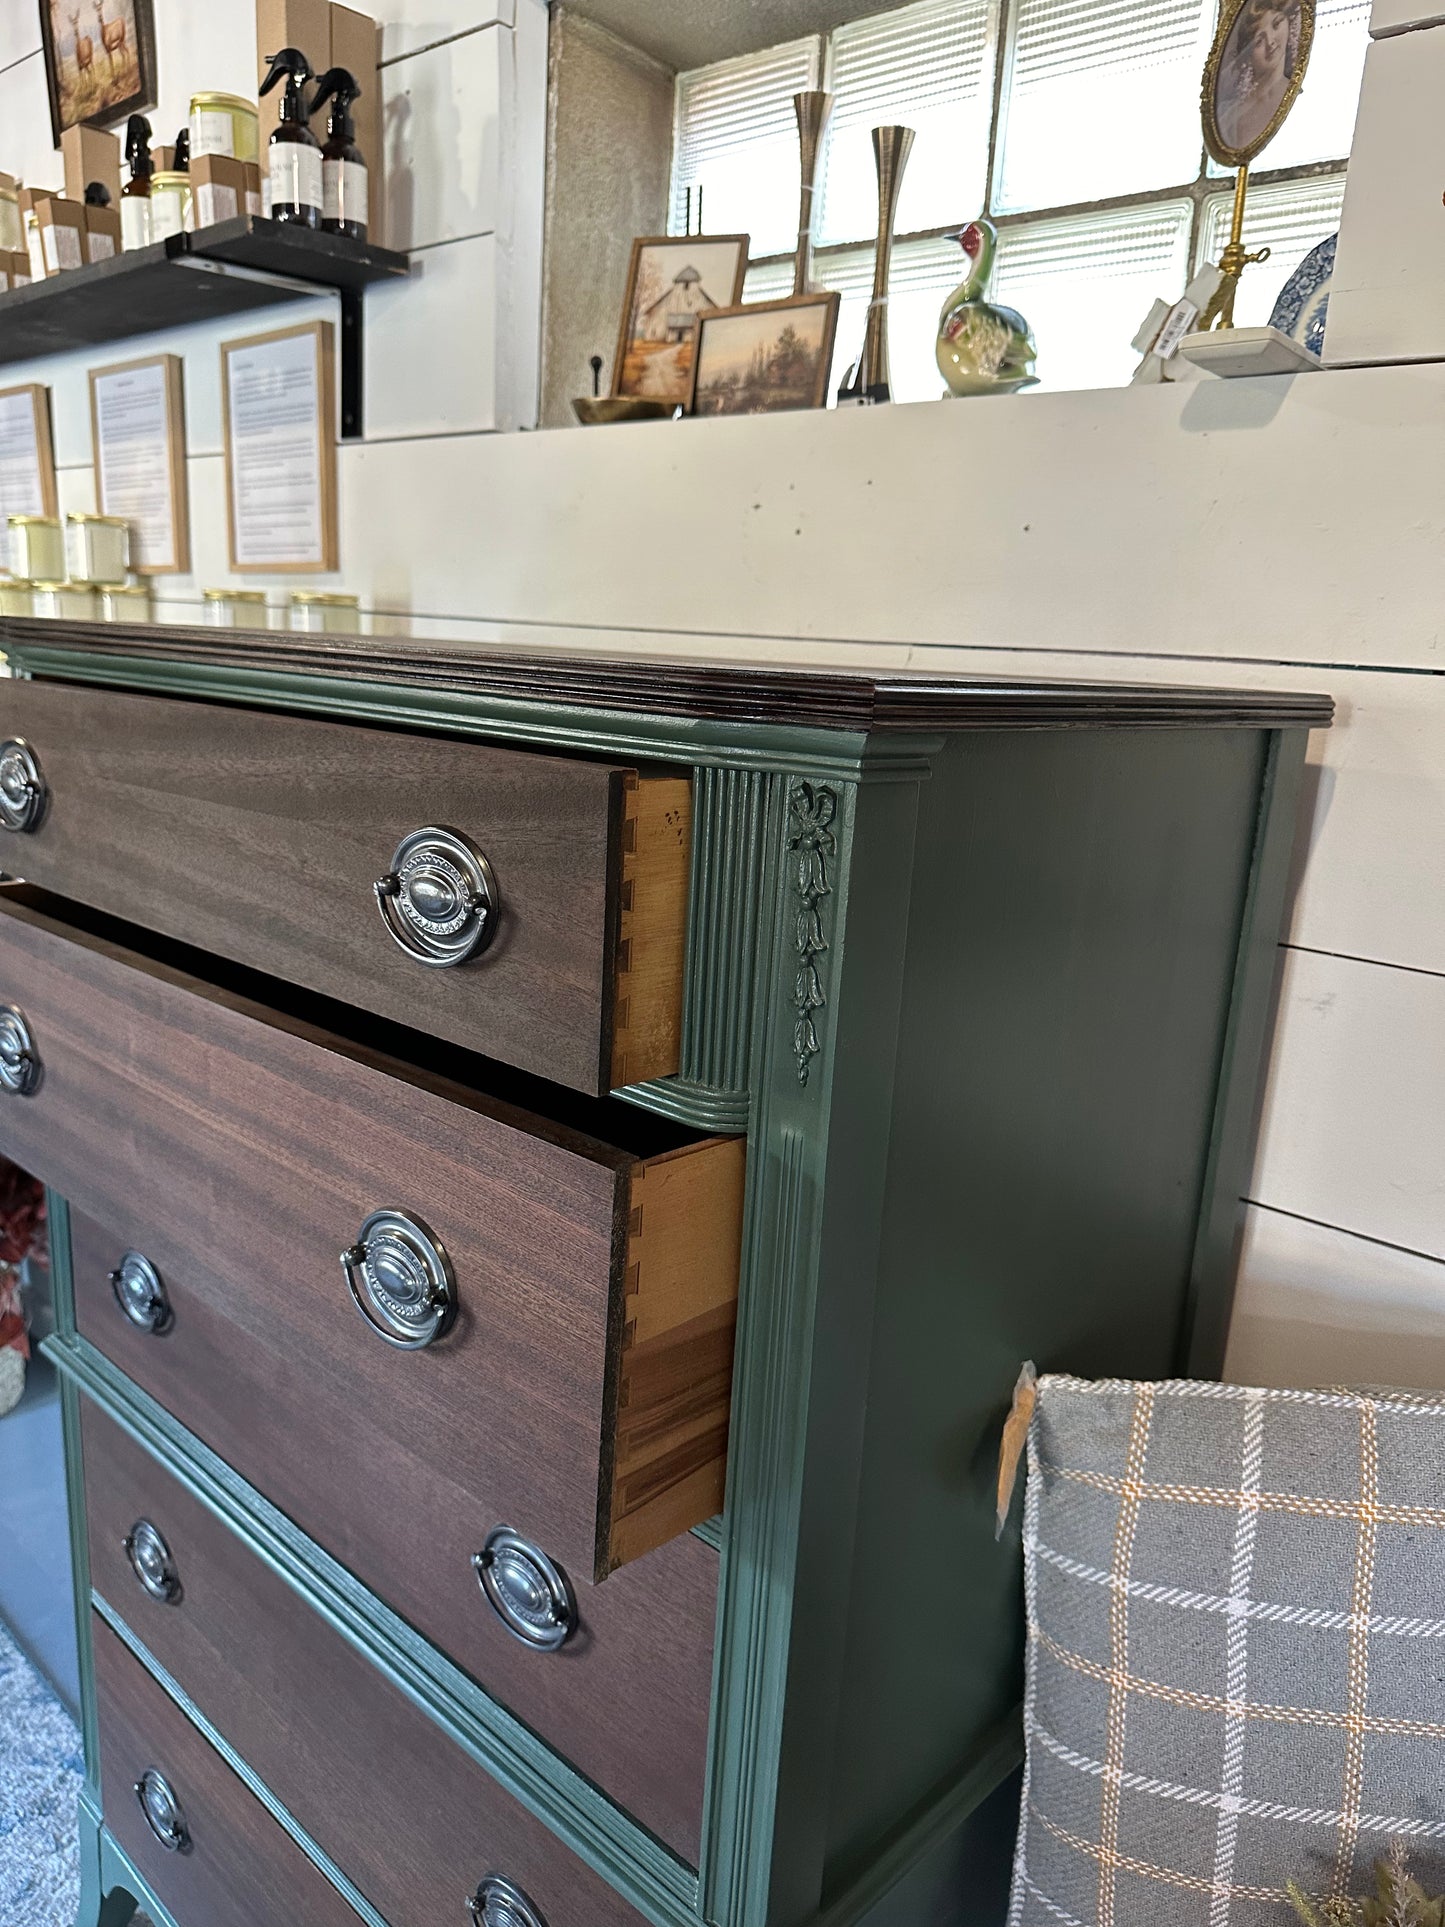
x,y
1236,1671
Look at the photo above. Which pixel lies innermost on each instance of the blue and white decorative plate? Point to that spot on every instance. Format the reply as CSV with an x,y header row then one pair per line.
x,y
1304,300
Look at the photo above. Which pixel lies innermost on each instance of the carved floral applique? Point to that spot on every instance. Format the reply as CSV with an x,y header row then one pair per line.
x,y
812,809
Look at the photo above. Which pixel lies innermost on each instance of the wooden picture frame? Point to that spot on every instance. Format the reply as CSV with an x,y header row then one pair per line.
x,y
792,388
320,432
49,497
1253,75
172,458
669,352
77,36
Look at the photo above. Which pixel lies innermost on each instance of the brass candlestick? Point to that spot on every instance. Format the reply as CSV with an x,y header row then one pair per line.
x,y
1232,263
812,110
868,379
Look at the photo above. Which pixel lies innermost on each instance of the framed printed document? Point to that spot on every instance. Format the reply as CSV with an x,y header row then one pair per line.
x,y
27,457
137,419
278,402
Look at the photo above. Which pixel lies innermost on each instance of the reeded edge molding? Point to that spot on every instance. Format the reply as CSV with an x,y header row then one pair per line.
x,y
253,1782
643,1871
705,1109
555,726
939,1817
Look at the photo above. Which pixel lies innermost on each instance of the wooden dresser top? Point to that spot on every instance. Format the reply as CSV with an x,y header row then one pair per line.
x,y
787,693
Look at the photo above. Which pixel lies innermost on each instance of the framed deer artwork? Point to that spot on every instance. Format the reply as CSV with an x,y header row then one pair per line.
x,y
100,60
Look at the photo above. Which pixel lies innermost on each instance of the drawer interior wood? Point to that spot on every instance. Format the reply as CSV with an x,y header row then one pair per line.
x,y
261,837
412,1820
241,1868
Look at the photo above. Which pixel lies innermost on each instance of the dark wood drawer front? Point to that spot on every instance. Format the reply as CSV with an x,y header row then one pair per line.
x,y
241,1869
241,1157
407,1816
261,837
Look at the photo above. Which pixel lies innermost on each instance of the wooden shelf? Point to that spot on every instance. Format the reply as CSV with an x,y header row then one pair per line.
x,y
233,268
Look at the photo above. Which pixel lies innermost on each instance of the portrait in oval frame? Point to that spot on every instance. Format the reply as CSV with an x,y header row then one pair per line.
x,y
1252,78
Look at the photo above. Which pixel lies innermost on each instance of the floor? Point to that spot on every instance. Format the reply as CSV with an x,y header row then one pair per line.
x,y
35,1593
41,1769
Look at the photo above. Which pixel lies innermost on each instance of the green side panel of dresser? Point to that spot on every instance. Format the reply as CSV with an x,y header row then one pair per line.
x,y
1080,909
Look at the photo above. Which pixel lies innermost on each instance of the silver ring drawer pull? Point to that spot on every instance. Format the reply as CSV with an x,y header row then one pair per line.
x,y
439,900
141,1295
23,791
401,1281
528,1592
151,1562
20,1068
498,1903
163,1812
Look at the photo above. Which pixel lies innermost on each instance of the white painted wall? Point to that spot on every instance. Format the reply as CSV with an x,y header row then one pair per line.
x,y
1287,533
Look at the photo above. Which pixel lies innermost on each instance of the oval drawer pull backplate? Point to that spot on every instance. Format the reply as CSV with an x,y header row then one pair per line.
x,y
163,1812
151,1562
401,1280
528,1592
141,1294
439,899
20,1068
498,1903
23,790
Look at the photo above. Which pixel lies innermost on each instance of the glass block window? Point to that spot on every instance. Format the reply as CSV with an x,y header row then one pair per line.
x,y
1074,123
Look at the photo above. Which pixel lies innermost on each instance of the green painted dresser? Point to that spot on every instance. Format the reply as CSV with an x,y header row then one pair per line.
x,y
554,1166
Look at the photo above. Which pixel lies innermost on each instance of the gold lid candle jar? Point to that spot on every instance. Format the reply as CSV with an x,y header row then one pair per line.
x,y
97,548
235,608
318,612
170,205
225,124
124,602
37,548
72,601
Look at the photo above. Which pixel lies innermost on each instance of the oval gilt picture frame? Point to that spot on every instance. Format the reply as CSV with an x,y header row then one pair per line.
x,y
1252,78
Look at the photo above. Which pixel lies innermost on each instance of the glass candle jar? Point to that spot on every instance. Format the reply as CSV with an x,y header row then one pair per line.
x,y
225,124
37,548
14,598
12,231
235,608
125,602
170,205
317,612
73,601
97,548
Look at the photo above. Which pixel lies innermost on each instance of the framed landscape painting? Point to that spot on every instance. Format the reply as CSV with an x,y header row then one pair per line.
x,y
672,280
763,359
100,60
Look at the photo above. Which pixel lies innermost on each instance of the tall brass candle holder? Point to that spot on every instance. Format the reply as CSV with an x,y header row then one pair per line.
x,y
813,110
867,380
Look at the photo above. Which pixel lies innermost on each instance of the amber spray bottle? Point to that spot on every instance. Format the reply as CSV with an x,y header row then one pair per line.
x,y
343,165
135,196
294,156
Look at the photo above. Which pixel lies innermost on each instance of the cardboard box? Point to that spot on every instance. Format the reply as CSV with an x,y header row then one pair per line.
x,y
163,160
218,188
90,154
253,202
61,226
15,269
102,233
356,45
288,23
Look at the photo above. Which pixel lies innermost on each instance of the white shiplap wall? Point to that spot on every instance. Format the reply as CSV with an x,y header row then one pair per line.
x,y
1285,532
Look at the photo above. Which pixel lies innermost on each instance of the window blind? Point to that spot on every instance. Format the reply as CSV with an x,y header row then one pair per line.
x,y
1101,99
1289,218
1085,283
929,67
736,137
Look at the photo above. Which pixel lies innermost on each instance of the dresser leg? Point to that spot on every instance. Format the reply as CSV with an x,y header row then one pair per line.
x,y
98,1908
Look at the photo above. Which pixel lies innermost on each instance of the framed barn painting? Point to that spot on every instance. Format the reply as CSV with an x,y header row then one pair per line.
x,y
672,280
100,60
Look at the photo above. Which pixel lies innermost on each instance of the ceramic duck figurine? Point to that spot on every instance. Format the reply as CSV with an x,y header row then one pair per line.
x,y
982,349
